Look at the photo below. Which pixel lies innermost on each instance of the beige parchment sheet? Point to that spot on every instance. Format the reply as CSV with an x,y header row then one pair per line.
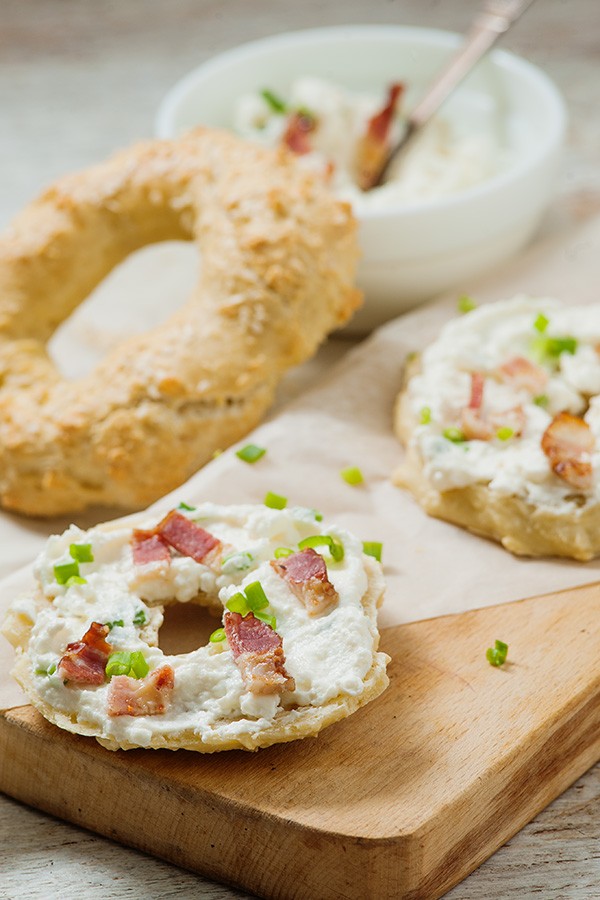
x,y
432,568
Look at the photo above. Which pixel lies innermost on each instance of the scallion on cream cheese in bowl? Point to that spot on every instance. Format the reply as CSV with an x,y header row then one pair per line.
x,y
294,646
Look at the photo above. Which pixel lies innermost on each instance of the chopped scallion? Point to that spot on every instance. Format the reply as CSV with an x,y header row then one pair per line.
x,y
251,453
496,655
276,103
64,571
124,662
541,400
352,475
548,349
275,501
266,617
49,671
373,548
237,562
336,548
81,552
255,596
118,622
186,507
140,618
454,434
504,433
281,552
238,603
75,579
139,666
425,415
466,304
541,323
217,636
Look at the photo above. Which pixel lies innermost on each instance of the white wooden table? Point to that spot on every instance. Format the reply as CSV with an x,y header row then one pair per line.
x,y
79,78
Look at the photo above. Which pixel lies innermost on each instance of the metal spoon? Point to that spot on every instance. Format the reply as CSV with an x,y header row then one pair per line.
x,y
492,21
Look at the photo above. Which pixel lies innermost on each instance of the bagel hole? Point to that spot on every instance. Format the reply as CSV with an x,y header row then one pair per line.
x,y
138,295
186,627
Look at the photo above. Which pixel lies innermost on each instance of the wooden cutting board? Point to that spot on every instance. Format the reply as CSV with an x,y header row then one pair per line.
x,y
402,800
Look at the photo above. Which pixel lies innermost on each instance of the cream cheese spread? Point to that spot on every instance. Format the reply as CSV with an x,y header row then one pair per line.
x,y
563,342
327,655
440,162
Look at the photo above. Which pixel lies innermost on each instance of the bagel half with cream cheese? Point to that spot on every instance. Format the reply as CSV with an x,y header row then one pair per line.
x,y
500,418
296,649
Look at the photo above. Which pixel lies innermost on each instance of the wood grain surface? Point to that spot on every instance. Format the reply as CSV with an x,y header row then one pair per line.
x,y
398,802
79,78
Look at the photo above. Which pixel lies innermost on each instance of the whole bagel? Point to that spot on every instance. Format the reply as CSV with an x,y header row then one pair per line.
x,y
278,261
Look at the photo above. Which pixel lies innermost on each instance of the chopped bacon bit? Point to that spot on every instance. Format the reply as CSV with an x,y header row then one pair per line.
x,y
147,696
306,574
84,661
258,652
149,547
185,536
296,135
474,426
372,148
513,418
477,386
568,442
522,373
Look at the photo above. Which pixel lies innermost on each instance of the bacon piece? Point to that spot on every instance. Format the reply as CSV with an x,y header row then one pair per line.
x,y
306,574
568,443
372,148
522,373
147,696
296,136
474,426
477,386
149,547
478,427
84,661
258,652
185,536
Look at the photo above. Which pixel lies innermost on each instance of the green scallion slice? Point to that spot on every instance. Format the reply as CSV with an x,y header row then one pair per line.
x,y
425,415
118,622
49,671
336,548
81,552
75,579
276,103
504,433
373,548
64,571
237,562
251,453
352,475
217,636
275,501
266,617
119,663
140,618
541,323
186,507
256,598
466,304
282,552
454,434
496,655
548,349
139,666
238,603
541,400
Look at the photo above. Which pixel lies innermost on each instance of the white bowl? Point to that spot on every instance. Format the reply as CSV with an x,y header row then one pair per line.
x,y
410,252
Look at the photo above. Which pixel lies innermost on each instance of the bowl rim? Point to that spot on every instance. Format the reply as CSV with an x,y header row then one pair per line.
x,y
503,59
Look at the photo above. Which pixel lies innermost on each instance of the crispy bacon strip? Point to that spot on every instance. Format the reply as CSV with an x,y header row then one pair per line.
x,y
297,133
258,652
306,574
372,148
185,536
568,443
522,373
84,661
149,547
149,696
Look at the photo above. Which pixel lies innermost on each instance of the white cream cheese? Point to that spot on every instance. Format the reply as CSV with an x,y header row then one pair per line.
x,y
327,655
482,341
440,162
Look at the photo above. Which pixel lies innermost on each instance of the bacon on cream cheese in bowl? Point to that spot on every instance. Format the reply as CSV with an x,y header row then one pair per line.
x,y
295,650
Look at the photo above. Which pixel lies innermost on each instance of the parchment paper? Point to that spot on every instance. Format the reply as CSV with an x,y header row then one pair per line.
x,y
432,568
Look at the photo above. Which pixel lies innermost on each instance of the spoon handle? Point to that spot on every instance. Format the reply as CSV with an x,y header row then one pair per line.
x,y
492,21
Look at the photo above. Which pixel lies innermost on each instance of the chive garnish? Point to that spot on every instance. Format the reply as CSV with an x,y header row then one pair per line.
x,y
118,622
251,453
275,501
237,562
81,552
186,507
454,434
75,579
425,415
541,323
124,662
255,596
49,671
373,548
496,655
466,304
541,400
548,349
336,548
266,617
352,475
504,433
252,600
282,552
64,571
217,636
276,103
140,618
237,603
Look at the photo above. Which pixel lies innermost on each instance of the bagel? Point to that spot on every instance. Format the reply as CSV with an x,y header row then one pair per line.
x,y
87,638
501,421
278,260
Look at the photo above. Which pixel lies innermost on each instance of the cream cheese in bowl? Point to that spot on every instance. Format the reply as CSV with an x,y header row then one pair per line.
x,y
441,161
